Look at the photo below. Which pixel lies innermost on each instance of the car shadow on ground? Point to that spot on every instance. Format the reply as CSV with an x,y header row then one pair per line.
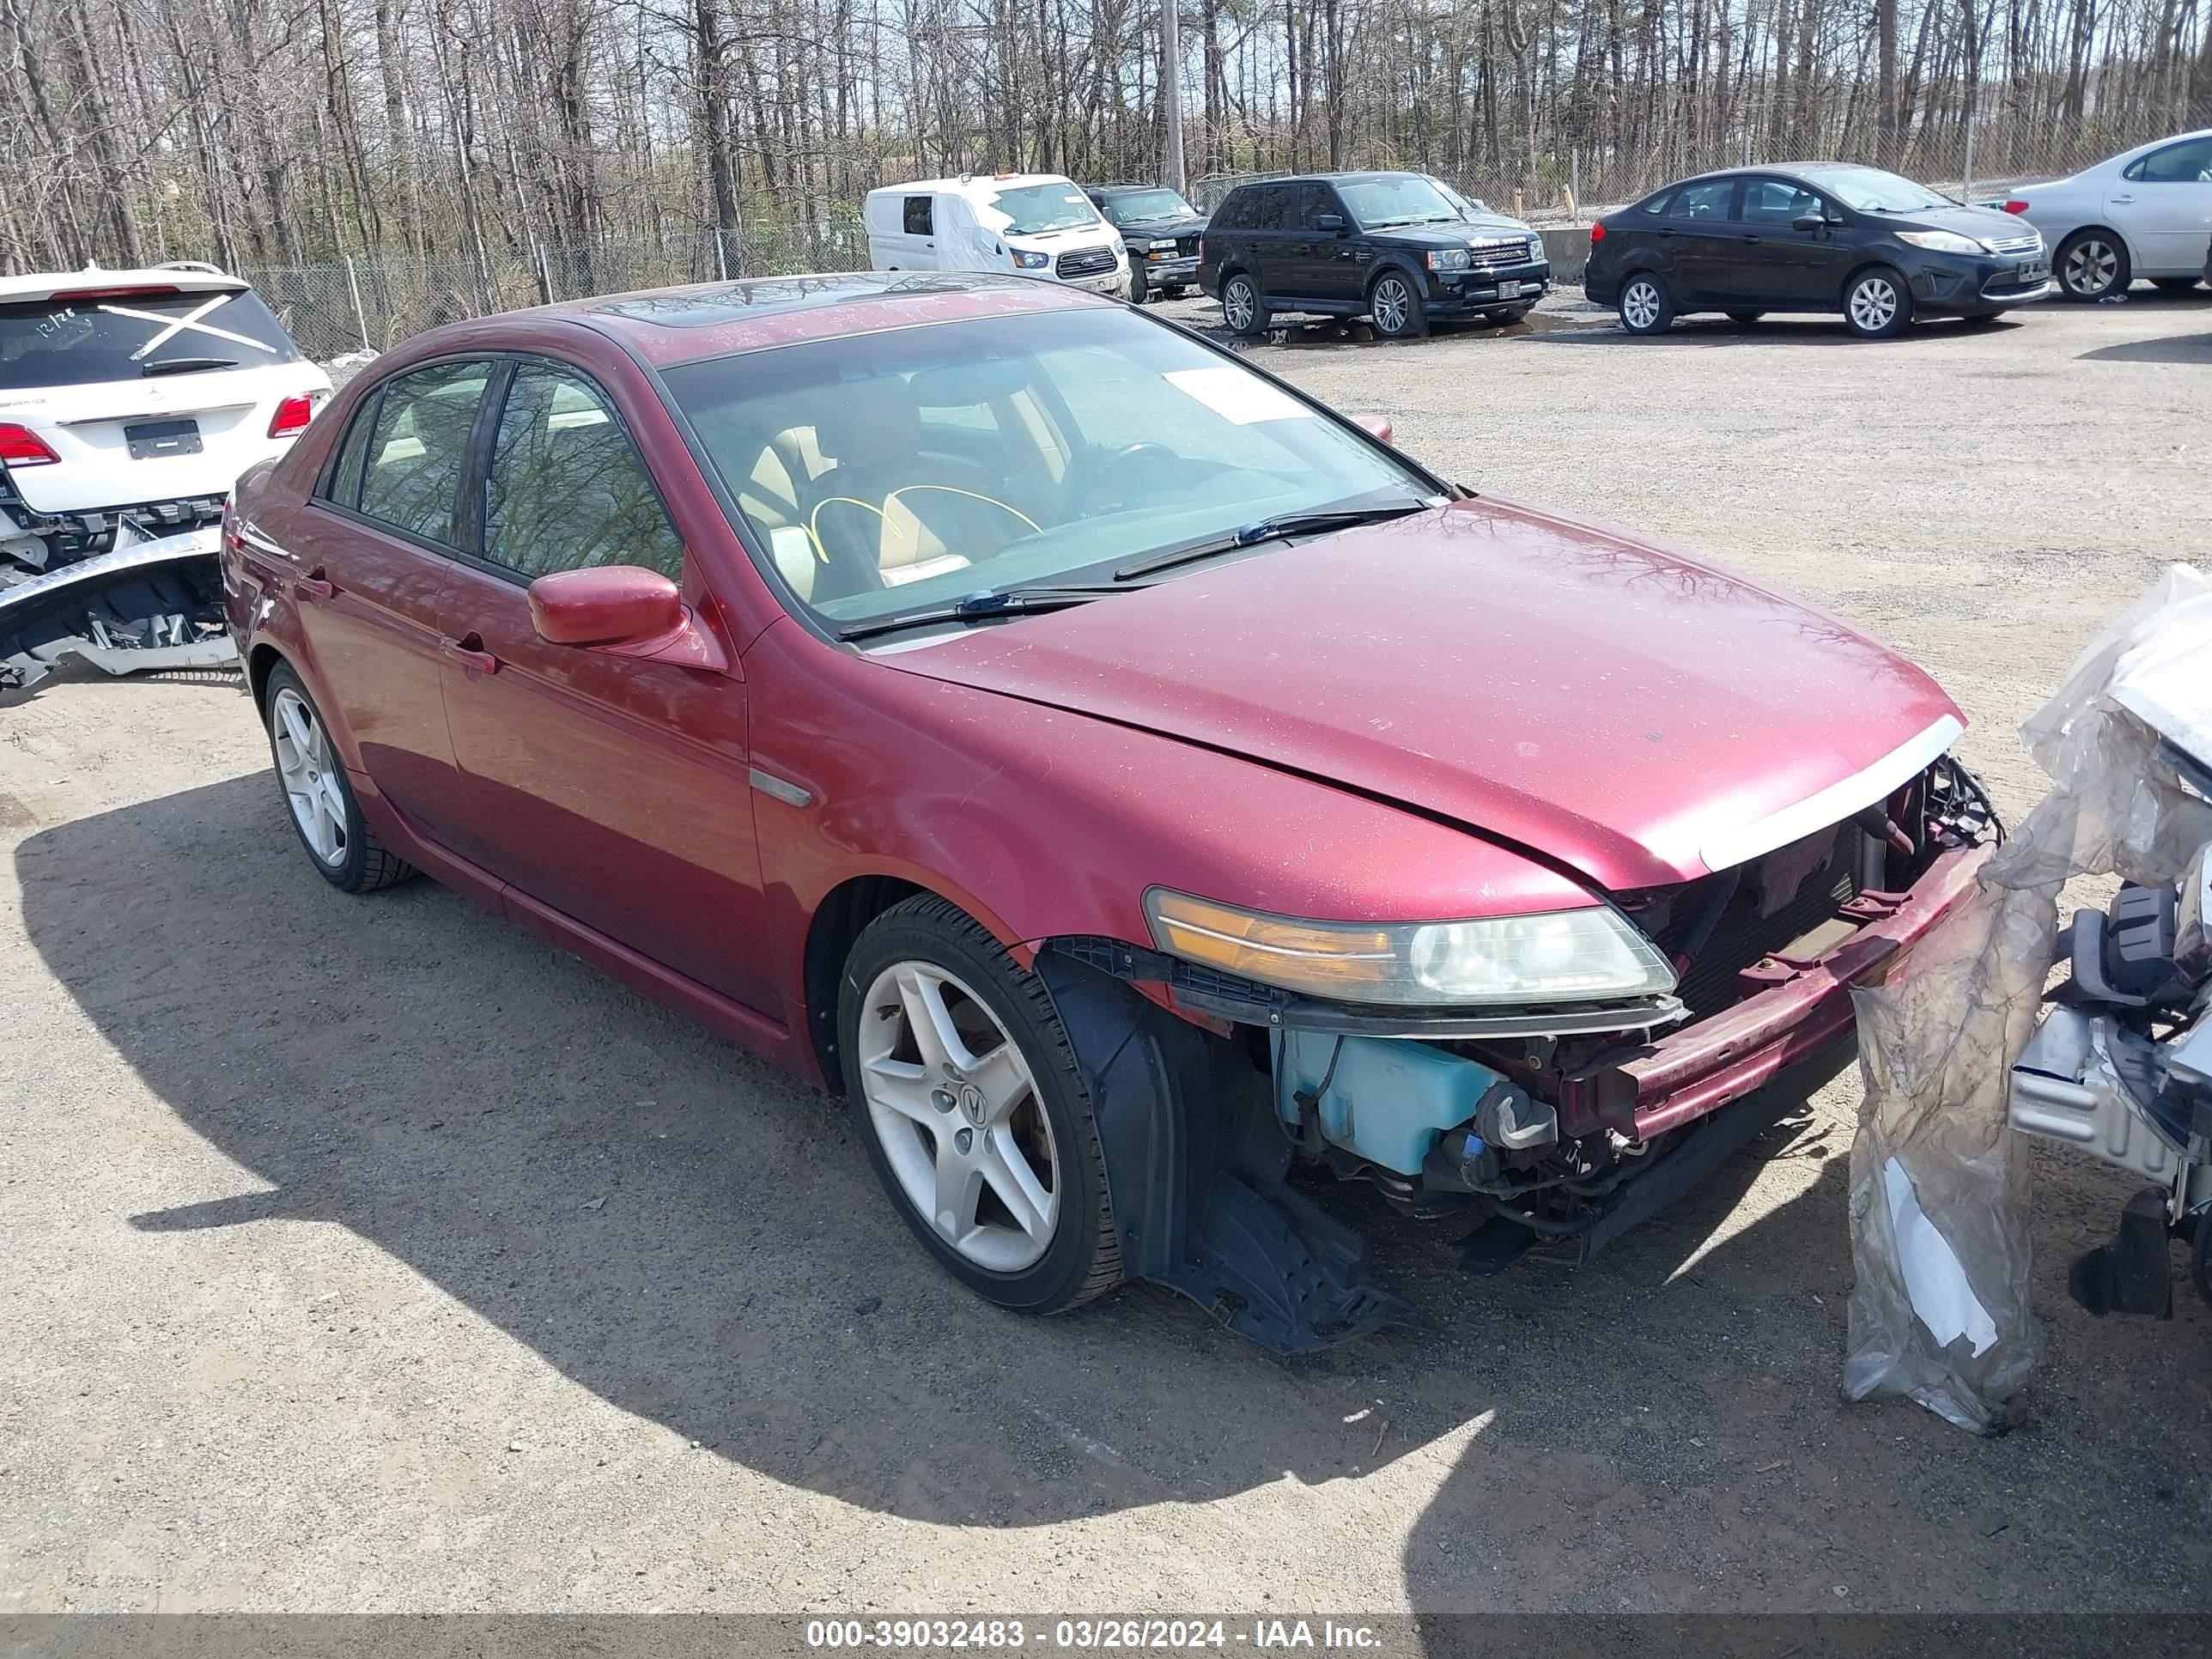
x,y
699,1241
2176,348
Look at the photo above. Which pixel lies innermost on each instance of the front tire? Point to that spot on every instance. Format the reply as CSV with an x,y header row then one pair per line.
x,y
1241,305
1745,319
2174,284
1645,307
2092,266
975,1110
1878,306
1506,318
319,796
1395,305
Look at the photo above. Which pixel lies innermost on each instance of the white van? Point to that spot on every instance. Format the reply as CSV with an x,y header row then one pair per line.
x,y
1037,223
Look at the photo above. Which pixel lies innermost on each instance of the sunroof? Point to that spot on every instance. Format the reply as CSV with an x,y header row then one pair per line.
x,y
731,302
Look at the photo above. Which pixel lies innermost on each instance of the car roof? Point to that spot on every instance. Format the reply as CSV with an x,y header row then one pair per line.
x,y
44,285
1331,178
972,184
672,326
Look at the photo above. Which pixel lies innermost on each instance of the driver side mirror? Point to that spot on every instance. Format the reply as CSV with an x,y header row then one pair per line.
x,y
1376,427
1809,221
1333,221
604,605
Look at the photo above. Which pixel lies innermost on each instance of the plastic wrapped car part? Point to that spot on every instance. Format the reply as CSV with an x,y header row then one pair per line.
x,y
1938,1193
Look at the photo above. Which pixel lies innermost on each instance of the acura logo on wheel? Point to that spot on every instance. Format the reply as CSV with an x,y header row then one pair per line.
x,y
972,1107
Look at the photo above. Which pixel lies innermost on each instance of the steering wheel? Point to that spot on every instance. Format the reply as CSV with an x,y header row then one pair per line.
x,y
1080,496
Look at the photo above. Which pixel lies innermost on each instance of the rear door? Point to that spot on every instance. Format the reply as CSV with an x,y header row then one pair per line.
x,y
1780,266
1702,236
2162,203
367,560
611,788
1274,237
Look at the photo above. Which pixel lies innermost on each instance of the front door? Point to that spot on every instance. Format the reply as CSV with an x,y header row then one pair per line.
x,y
1321,262
1702,238
367,559
1780,266
2163,205
611,788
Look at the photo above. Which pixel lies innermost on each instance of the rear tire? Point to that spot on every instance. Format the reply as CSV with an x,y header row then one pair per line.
x,y
1745,319
1139,291
2092,266
1508,317
319,796
1645,307
964,1086
1394,304
1982,318
1242,307
1878,305
2174,284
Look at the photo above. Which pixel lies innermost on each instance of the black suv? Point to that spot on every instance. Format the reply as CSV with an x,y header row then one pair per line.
x,y
1390,247
1159,231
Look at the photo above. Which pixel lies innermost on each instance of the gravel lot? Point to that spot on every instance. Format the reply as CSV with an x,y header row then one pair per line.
x,y
369,1256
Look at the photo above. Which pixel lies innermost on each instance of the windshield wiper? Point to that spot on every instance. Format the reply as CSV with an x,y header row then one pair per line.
x,y
1270,529
982,607
186,365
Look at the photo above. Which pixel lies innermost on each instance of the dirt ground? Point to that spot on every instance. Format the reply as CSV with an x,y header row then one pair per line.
x,y
366,1255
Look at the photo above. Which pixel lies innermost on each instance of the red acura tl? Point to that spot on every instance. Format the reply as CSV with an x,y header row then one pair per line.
x,y
1126,780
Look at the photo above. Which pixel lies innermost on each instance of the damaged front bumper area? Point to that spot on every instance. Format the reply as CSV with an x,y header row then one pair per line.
x,y
153,607
1562,1125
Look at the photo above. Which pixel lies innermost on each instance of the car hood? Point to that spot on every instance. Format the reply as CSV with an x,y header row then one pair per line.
x,y
1457,233
1167,230
1493,224
1624,712
1984,224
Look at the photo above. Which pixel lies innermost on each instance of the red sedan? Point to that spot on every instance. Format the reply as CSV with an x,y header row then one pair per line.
x,y
1124,778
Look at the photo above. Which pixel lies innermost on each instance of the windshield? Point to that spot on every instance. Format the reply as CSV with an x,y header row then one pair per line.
x,y
1869,190
1395,199
1035,208
894,472
1148,206
1466,206
129,335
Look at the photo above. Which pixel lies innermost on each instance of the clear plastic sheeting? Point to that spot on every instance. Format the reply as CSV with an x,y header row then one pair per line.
x,y
1938,1198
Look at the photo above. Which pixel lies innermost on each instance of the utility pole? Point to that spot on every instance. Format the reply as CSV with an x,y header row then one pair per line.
x,y
1171,93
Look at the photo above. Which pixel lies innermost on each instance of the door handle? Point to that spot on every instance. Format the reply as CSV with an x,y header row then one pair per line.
x,y
314,585
1664,233
2123,199
468,652
1749,237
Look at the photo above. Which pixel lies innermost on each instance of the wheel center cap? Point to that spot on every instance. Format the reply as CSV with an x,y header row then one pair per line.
x,y
973,1106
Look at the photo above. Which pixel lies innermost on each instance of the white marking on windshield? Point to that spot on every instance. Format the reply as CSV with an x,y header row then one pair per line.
x,y
172,326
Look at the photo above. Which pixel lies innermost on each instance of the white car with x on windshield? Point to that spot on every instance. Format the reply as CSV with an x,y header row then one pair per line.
x,y
2145,213
129,403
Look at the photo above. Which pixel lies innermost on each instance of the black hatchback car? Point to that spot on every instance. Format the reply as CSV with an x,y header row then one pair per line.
x,y
1159,233
1822,236
1390,246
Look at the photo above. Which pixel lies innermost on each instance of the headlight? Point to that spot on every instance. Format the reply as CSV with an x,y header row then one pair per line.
x,y
1030,261
1559,956
1942,241
1449,259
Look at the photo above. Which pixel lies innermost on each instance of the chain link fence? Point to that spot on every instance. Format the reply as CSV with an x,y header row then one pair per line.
x,y
364,302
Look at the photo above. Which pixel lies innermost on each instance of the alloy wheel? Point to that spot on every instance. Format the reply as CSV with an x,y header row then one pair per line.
x,y
1874,304
1237,304
311,783
1639,306
2091,268
1393,305
954,1107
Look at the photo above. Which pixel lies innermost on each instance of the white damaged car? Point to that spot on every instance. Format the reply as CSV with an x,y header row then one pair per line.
x,y
129,403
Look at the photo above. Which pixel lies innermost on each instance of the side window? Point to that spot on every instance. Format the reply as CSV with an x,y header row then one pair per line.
x,y
1708,202
2186,163
919,216
1655,205
1777,201
345,473
566,487
412,466
1313,201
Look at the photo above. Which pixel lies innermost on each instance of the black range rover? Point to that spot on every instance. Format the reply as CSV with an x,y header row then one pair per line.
x,y
1390,246
1159,231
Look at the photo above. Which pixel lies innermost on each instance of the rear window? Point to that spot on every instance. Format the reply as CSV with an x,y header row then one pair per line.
x,y
129,337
